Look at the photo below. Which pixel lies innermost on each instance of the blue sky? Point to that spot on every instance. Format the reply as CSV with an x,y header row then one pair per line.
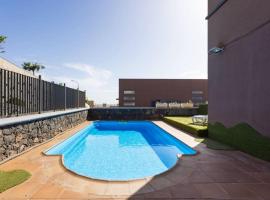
x,y
99,41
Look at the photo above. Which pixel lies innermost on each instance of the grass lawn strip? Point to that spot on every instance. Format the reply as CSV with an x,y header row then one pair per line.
x,y
12,178
185,123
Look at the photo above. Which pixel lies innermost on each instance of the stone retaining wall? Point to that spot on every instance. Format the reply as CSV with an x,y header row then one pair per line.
x,y
17,138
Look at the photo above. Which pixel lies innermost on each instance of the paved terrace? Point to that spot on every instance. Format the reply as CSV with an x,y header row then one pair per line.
x,y
209,175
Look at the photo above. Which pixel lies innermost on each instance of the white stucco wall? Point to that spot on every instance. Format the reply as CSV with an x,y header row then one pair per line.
x,y
7,65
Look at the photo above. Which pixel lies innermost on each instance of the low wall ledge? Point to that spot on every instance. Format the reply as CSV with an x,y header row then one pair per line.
x,y
34,117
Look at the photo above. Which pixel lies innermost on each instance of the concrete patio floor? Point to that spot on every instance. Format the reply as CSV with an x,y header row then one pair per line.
x,y
209,175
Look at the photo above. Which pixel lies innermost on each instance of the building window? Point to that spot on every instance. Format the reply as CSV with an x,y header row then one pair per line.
x,y
129,98
197,96
129,103
197,92
197,99
129,92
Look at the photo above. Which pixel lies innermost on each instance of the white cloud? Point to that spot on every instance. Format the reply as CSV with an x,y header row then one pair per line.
x,y
99,83
94,76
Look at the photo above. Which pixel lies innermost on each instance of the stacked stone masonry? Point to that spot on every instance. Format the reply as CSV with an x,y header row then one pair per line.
x,y
17,138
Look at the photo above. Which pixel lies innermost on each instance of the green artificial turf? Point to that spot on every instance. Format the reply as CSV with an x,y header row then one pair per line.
x,y
185,123
212,144
12,178
203,109
242,137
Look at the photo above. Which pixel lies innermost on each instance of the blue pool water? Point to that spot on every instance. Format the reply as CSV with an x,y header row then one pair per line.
x,y
114,150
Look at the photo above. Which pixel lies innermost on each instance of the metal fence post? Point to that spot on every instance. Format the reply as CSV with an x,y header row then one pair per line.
x,y
52,103
1,92
78,101
65,96
39,94
84,99
17,86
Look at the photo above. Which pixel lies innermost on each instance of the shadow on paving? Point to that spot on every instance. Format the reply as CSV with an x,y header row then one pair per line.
x,y
212,174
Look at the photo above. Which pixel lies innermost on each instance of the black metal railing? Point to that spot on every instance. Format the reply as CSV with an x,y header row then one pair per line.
x,y
21,94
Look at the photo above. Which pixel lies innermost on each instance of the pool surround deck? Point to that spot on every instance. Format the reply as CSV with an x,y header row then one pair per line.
x,y
209,175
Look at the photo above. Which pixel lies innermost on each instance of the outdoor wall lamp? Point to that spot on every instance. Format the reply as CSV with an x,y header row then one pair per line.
x,y
216,50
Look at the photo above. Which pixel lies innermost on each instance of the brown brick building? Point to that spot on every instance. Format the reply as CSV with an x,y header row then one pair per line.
x,y
239,83
145,92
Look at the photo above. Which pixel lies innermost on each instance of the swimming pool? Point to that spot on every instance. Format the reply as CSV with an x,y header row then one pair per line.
x,y
115,150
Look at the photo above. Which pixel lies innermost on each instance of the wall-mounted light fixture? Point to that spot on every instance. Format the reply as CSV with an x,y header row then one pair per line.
x,y
216,50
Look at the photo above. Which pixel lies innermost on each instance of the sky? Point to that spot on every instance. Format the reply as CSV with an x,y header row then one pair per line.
x,y
96,42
